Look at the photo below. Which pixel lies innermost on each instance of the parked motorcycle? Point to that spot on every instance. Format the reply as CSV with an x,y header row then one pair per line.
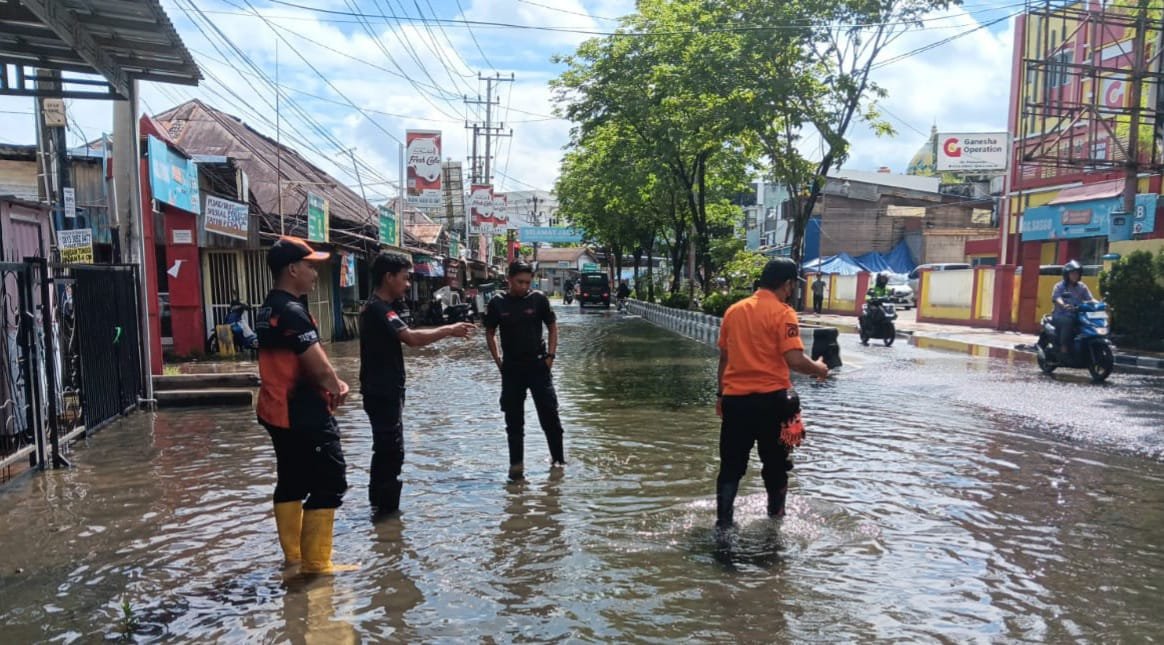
x,y
1090,349
447,308
240,329
877,321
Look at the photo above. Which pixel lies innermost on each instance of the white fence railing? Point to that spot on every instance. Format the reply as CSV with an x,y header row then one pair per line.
x,y
695,325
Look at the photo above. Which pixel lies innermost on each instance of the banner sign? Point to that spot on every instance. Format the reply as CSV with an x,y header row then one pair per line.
x,y
481,220
533,234
70,195
1090,218
173,178
388,234
973,152
317,218
455,246
225,217
501,219
76,246
424,168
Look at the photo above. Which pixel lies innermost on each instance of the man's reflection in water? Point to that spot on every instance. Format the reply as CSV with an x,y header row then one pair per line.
x,y
394,592
529,549
309,612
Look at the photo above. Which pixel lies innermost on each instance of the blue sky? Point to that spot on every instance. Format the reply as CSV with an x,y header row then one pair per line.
x,y
363,90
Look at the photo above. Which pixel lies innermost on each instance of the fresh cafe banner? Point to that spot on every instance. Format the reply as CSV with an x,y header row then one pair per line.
x,y
501,212
424,168
481,221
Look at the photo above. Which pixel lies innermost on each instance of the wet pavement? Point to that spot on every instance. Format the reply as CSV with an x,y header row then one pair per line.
x,y
938,496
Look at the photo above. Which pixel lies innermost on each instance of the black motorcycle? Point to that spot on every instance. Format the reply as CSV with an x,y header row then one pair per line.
x,y
568,297
877,321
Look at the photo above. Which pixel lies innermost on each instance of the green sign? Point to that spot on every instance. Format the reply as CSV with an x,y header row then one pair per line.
x,y
317,220
388,227
589,267
454,247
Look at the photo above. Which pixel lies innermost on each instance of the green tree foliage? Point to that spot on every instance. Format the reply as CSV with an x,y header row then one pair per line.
x,y
1134,289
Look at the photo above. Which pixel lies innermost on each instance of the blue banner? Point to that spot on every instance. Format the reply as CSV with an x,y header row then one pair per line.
x,y
553,234
1092,218
173,178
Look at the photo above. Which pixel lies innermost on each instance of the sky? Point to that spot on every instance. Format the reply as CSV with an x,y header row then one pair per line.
x,y
357,84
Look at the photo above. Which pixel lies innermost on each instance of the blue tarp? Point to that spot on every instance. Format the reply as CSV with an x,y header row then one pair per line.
x,y
840,264
898,260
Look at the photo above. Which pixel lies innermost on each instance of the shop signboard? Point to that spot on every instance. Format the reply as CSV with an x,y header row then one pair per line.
x,y
75,246
317,218
225,217
173,178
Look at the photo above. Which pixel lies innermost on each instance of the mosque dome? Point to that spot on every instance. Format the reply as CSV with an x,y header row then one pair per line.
x,y
925,162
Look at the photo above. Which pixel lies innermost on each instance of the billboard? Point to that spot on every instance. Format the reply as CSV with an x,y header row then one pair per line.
x,y
388,228
481,221
973,152
501,219
424,168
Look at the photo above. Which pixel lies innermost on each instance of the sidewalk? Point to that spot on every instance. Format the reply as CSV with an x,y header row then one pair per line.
x,y
955,335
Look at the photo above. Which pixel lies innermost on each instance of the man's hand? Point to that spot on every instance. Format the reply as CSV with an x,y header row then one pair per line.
x,y
338,399
822,370
462,329
550,362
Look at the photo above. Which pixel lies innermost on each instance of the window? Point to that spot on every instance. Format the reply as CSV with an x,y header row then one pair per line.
x,y
1058,72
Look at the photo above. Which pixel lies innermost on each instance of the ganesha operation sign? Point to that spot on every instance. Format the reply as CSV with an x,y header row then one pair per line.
x,y
973,152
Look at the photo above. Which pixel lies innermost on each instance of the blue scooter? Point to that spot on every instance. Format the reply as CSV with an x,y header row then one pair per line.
x,y
1090,349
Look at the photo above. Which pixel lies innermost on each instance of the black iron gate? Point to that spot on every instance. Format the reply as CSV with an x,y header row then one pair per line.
x,y
26,398
107,339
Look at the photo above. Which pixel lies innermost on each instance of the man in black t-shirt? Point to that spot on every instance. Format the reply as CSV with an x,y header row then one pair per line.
x,y
297,399
382,330
525,363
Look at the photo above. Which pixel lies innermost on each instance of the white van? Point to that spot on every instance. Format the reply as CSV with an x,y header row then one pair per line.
x,y
915,275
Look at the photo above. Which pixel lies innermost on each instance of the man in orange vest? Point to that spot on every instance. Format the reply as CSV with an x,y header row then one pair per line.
x,y
759,345
299,394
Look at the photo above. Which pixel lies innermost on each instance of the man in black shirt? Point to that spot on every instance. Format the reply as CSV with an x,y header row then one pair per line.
x,y
382,330
297,399
525,363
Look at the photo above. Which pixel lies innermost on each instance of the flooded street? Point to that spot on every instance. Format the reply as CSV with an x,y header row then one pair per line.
x,y
937,497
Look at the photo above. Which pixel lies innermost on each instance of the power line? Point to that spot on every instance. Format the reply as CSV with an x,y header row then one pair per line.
x,y
624,33
474,37
567,11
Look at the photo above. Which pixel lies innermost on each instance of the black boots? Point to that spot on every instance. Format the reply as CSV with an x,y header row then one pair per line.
x,y
725,499
776,502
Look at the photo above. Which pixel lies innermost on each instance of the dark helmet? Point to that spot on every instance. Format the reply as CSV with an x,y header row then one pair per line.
x,y
882,279
1072,266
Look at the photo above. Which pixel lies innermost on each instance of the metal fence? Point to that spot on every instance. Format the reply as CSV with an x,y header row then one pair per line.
x,y
69,357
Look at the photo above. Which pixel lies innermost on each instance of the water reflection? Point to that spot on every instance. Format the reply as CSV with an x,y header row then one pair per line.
x,y
925,505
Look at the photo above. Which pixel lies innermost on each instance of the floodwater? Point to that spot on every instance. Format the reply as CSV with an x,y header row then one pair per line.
x,y
937,497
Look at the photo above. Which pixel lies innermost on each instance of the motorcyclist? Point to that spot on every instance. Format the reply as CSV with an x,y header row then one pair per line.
x,y
623,293
568,291
1067,295
880,288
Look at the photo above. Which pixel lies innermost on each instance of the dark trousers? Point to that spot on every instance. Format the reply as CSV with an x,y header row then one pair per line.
x,y
748,420
534,376
309,465
1065,326
817,303
385,415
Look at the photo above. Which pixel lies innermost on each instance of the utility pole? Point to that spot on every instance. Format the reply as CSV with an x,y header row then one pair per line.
x,y
491,132
1132,172
488,129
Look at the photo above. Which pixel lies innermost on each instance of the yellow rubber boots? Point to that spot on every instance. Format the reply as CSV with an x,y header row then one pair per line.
x,y
289,521
315,541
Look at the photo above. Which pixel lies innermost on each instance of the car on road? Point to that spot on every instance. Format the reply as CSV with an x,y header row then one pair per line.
x,y
900,292
915,275
594,289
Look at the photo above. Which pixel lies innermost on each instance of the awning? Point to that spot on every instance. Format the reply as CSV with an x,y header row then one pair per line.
x,y
1100,190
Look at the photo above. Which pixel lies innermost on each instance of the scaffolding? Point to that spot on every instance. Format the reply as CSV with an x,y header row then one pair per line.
x,y
1091,88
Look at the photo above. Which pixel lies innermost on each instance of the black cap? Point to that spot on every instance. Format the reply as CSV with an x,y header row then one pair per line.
x,y
289,250
778,271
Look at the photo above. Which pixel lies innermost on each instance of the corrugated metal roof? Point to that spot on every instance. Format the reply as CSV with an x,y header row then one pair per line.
x,y
202,130
908,182
120,40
